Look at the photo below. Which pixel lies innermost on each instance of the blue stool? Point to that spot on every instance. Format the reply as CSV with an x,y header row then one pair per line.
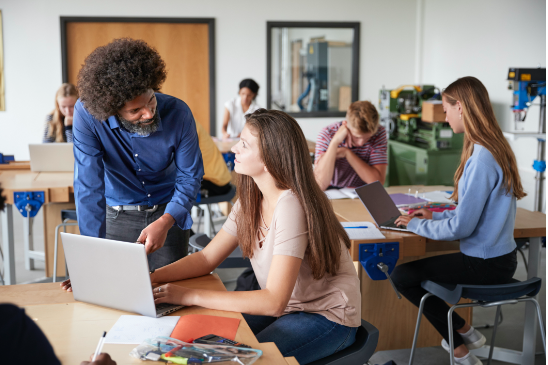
x,y
483,296
66,215
359,352
213,200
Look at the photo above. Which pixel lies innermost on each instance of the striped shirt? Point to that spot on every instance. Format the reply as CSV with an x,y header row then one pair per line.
x,y
373,152
51,139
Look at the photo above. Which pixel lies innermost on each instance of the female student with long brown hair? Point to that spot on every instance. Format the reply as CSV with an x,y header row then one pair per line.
x,y
309,302
487,185
59,121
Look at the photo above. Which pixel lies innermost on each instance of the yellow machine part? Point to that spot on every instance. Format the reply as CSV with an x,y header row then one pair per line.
x,y
408,116
394,93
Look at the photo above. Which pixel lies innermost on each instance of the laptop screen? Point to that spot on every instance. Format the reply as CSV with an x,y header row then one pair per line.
x,y
378,202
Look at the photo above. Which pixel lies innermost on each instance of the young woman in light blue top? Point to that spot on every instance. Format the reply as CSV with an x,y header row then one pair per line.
x,y
487,185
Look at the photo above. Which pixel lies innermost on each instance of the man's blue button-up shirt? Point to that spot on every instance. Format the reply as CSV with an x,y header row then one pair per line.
x,y
117,167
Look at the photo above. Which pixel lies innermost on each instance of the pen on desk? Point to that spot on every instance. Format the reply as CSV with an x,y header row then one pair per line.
x,y
99,346
357,227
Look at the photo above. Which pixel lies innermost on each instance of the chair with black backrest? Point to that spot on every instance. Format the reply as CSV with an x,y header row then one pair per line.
x,y
207,211
66,216
482,296
199,241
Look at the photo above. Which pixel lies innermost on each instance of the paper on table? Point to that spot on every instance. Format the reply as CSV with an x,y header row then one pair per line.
x,y
371,232
136,329
344,193
437,196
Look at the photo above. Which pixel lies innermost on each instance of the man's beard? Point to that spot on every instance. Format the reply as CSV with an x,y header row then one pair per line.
x,y
139,127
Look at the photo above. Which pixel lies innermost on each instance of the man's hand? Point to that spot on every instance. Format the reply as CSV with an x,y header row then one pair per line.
x,y
102,359
154,235
68,121
66,285
173,294
342,135
341,152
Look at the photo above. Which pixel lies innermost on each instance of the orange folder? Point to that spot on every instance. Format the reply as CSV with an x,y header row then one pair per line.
x,y
194,326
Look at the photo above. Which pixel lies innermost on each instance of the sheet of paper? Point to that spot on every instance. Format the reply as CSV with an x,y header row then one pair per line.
x,y
437,196
136,329
345,193
371,232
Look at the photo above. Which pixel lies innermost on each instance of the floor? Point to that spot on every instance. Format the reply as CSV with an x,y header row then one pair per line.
x,y
509,335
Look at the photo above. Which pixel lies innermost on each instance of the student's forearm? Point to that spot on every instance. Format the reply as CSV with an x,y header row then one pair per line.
x,y
365,171
257,302
326,166
189,267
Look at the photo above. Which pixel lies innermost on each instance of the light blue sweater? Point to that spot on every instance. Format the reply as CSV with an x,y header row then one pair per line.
x,y
484,218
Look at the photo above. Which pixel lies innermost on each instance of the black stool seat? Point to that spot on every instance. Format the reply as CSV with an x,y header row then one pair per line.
x,y
218,198
68,214
359,352
452,293
234,260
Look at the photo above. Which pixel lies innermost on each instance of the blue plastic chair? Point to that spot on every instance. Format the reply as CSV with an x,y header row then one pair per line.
x,y
359,353
483,296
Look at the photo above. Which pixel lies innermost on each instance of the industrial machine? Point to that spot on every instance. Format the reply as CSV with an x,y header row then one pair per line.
x,y
527,84
422,148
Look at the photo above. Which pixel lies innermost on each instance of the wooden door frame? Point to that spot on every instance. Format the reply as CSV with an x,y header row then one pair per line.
x,y
211,34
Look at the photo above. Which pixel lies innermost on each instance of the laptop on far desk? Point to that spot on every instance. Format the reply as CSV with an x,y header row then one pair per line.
x,y
51,157
380,205
112,274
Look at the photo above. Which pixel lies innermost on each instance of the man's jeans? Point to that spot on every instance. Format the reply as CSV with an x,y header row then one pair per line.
x,y
307,336
126,226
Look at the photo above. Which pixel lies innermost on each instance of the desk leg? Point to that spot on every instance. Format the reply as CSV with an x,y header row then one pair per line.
x,y
531,322
29,242
8,245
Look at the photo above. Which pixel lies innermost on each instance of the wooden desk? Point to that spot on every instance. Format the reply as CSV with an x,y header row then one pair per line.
x,y
58,194
395,318
15,165
73,328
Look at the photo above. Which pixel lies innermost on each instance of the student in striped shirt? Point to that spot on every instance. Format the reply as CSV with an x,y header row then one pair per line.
x,y
59,121
352,153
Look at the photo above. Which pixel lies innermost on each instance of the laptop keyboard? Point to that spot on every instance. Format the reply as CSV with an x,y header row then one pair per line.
x,y
163,306
392,225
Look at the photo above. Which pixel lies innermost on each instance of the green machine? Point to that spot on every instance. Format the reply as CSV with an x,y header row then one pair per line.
x,y
422,148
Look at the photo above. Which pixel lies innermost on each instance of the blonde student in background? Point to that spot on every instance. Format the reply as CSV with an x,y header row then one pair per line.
x,y
487,185
309,302
59,121
352,153
237,108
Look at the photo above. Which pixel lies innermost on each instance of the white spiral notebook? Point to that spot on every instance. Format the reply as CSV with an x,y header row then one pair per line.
x,y
362,230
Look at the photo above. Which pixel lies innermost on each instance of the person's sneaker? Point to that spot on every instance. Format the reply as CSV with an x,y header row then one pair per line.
x,y
473,339
468,359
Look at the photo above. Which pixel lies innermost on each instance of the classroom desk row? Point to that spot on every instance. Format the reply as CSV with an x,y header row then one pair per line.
x,y
73,327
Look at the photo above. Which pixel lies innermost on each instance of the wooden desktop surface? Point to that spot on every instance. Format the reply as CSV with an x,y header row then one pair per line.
x,y
73,327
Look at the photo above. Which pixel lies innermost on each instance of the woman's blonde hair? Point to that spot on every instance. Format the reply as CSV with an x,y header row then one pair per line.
x,y
55,125
481,127
284,151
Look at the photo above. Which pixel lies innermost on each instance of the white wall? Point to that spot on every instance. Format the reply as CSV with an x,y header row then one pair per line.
x,y
484,39
32,49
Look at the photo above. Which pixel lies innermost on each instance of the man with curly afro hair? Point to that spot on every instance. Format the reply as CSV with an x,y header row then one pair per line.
x,y
138,165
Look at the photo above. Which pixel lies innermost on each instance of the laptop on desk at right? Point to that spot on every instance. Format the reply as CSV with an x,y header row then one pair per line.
x,y
380,206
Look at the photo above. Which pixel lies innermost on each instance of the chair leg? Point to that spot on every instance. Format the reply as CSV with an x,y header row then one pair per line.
x,y
494,334
541,324
451,339
55,252
200,211
417,327
66,266
211,221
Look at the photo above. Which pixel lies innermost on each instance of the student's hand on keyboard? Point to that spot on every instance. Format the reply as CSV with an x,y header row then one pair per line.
x,y
402,221
65,285
174,294
422,213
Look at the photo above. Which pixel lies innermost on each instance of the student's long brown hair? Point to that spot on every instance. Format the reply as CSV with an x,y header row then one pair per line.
x,y
55,125
481,127
284,151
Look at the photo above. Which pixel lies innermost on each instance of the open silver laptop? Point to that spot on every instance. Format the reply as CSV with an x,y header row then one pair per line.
x,y
51,157
380,205
112,274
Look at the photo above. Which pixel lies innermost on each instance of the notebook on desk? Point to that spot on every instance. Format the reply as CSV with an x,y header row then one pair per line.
x,y
51,157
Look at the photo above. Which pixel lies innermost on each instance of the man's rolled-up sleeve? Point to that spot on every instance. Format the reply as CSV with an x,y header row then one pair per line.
x,y
89,176
190,170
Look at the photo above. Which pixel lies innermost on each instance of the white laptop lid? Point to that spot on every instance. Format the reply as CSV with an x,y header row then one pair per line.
x,y
51,157
109,273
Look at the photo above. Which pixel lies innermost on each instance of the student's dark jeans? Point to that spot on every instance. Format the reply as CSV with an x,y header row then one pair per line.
x,y
307,336
126,226
455,268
